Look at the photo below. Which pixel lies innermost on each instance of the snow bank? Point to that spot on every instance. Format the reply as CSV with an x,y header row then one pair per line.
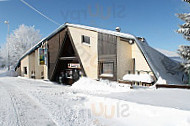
x,y
99,86
5,72
141,78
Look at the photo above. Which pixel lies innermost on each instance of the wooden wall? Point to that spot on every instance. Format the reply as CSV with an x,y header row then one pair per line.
x,y
54,45
107,51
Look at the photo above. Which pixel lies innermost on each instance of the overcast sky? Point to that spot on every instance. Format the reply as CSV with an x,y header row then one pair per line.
x,y
153,19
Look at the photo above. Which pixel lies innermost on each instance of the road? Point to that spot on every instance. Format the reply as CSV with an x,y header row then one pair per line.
x,y
28,102
18,109
37,103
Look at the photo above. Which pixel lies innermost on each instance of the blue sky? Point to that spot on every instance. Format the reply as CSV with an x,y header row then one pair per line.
x,y
153,19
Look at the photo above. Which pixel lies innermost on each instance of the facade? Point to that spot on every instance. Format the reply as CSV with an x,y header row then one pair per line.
x,y
76,50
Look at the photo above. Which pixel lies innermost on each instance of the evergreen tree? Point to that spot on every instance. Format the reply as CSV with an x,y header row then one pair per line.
x,y
2,58
184,29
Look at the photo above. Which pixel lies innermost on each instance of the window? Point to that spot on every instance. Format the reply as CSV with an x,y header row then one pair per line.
x,y
134,67
85,39
106,69
25,70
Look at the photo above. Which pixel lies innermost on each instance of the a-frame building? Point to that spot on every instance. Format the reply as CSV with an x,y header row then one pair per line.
x,y
96,53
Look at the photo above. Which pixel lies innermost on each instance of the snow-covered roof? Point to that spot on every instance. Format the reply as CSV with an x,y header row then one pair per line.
x,y
120,34
171,54
162,66
32,49
77,26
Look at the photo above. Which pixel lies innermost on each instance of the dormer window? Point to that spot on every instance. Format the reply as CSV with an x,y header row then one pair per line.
x,y
85,39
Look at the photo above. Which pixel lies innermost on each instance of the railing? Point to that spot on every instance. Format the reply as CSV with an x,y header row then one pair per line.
x,y
138,72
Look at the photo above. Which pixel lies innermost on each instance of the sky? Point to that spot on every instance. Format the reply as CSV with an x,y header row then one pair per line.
x,y
153,19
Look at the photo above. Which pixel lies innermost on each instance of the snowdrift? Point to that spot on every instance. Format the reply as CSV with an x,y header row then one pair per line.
x,y
99,86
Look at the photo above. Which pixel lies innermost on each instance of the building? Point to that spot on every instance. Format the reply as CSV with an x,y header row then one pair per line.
x,y
76,50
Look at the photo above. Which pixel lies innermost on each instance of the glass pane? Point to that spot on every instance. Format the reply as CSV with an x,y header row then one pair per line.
x,y
86,39
107,68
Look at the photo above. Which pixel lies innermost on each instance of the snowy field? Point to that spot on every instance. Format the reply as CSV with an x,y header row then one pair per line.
x,y
27,102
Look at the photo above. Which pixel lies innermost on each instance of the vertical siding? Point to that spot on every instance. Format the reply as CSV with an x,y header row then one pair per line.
x,y
54,45
107,51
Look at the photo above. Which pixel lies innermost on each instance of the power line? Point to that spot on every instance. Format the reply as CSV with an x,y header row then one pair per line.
x,y
39,12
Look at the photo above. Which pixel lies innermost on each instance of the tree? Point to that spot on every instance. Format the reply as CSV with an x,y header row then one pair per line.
x,y
20,41
184,52
2,57
184,29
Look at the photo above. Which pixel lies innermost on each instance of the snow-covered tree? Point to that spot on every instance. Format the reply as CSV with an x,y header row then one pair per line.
x,y
184,29
184,52
20,41
2,57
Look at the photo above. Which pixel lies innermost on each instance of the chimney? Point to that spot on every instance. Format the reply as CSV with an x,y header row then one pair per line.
x,y
118,29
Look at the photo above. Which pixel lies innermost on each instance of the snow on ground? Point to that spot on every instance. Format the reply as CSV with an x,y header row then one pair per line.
x,y
89,103
3,72
103,86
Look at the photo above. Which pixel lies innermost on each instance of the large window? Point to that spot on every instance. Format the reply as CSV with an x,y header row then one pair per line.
x,y
107,69
85,39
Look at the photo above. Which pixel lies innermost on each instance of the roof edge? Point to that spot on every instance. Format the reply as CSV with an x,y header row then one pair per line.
x,y
40,43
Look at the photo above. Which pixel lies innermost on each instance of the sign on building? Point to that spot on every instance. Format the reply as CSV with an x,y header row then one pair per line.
x,y
74,65
42,55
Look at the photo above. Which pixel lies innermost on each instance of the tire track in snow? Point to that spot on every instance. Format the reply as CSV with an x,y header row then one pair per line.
x,y
15,110
27,112
64,106
8,114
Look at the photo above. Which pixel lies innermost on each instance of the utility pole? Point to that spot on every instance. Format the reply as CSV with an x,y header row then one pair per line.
x,y
8,65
